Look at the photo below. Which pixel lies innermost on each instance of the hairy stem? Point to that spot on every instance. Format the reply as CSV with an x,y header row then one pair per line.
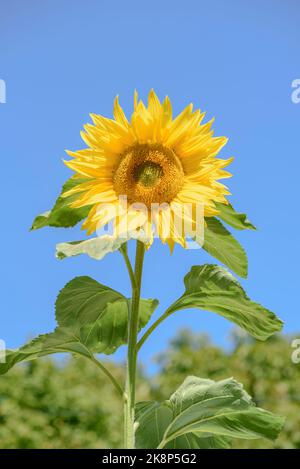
x,y
133,321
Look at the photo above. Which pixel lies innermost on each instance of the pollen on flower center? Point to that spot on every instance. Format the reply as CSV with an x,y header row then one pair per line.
x,y
148,174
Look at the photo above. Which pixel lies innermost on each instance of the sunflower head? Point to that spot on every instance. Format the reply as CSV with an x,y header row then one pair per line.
x,y
153,160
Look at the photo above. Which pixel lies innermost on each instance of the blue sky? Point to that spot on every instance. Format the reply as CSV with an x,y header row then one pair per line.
x,y
62,60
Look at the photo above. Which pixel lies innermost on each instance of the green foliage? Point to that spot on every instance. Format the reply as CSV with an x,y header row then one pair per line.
x,y
212,288
96,248
70,404
264,368
219,243
237,220
62,215
67,404
91,317
47,344
204,408
97,315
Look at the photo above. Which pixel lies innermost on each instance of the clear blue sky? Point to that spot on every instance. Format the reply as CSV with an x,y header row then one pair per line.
x,y
63,59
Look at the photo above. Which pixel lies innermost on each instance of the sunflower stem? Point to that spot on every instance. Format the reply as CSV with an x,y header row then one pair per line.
x,y
109,375
133,320
153,327
124,252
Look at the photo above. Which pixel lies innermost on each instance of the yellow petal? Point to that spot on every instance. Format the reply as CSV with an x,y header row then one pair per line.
x,y
119,114
135,99
154,106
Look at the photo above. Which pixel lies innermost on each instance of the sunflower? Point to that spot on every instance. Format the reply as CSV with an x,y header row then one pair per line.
x,y
152,160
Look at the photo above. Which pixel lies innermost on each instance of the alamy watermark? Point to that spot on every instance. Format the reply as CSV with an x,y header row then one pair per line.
x,y
2,351
295,96
295,357
2,92
176,221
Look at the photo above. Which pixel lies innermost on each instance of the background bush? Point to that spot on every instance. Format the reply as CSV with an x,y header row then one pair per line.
x,y
70,404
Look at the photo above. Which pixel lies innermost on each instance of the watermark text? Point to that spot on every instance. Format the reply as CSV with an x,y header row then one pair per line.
x,y
295,96
2,92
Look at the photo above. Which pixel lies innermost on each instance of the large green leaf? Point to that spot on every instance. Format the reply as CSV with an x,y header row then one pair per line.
x,y
237,220
59,341
91,317
153,418
96,248
82,300
219,243
62,215
97,314
194,440
213,288
203,414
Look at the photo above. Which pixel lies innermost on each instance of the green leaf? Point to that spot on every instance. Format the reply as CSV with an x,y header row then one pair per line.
x,y
97,314
96,248
213,288
219,243
62,215
91,317
198,441
203,414
221,408
59,341
106,335
237,220
153,418
82,300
